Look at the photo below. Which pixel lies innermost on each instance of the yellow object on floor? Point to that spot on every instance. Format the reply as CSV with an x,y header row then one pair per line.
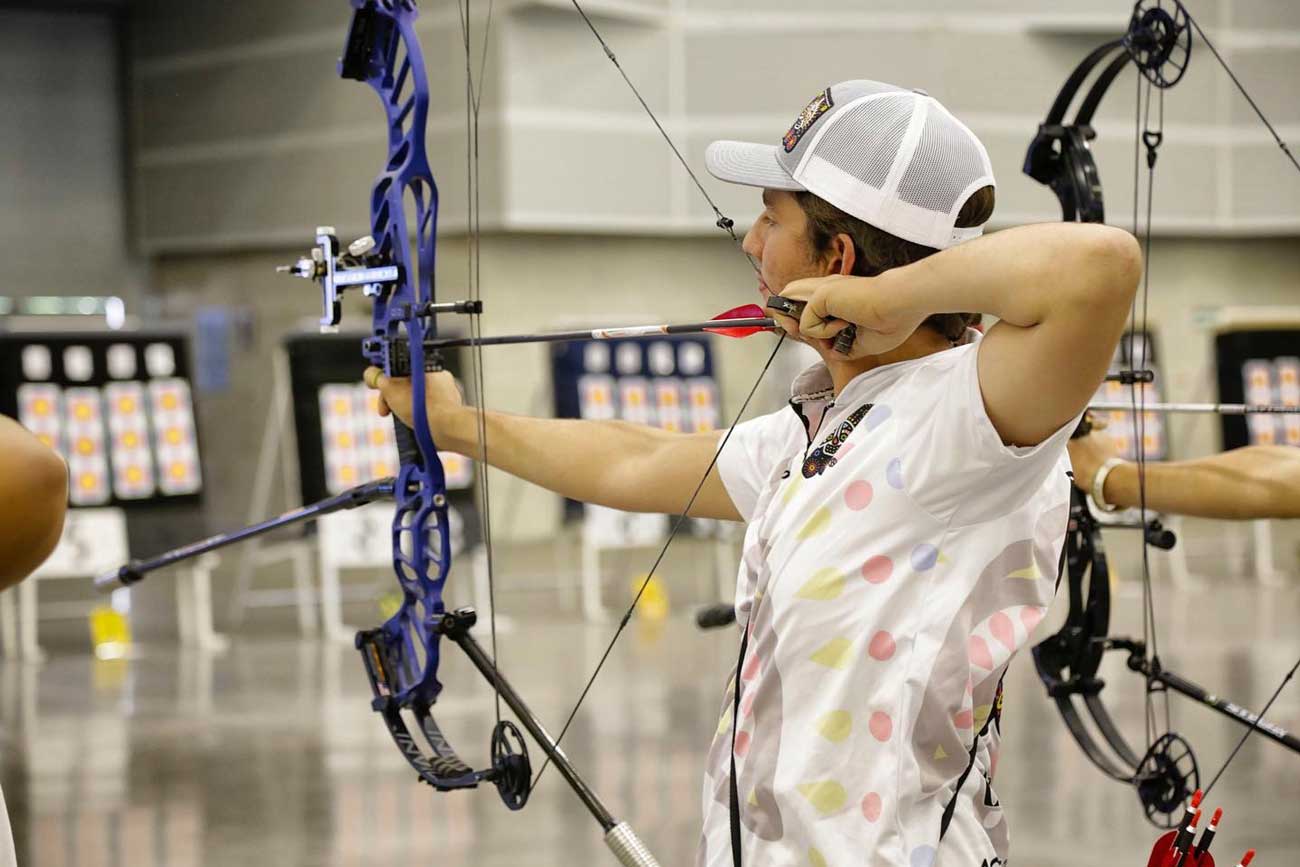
x,y
110,633
654,600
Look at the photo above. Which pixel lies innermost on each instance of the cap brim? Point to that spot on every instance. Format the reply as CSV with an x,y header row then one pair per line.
x,y
754,165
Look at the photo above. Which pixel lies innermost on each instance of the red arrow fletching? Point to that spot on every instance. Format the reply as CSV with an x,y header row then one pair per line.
x,y
745,311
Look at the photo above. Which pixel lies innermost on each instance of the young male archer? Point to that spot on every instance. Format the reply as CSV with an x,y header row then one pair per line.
x,y
904,515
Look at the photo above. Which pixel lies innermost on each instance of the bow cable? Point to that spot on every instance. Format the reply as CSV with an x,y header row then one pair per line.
x,y
473,237
1143,134
723,222
728,225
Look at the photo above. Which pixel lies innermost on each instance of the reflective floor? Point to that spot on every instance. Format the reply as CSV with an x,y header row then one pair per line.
x,y
269,755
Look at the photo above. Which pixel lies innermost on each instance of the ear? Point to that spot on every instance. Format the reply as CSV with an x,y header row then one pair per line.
x,y
843,255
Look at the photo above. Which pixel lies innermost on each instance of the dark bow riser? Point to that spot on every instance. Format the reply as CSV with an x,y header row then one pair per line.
x,y
1158,42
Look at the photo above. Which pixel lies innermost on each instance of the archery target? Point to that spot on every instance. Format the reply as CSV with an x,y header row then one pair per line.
x,y
702,404
88,483
662,358
634,400
1288,393
37,362
595,356
78,363
596,397
175,445
1272,382
664,382
668,399
1135,351
128,432
121,361
692,359
40,410
128,438
160,359
1120,426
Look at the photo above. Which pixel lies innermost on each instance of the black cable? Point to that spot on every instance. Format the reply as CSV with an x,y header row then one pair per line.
x,y
677,525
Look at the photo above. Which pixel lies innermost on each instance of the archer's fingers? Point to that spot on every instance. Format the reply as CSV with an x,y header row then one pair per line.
x,y
375,380
819,326
802,289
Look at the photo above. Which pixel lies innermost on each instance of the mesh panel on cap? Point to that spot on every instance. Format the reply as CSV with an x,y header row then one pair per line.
x,y
865,140
943,167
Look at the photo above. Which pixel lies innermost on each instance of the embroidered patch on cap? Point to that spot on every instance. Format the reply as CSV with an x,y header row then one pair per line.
x,y
820,105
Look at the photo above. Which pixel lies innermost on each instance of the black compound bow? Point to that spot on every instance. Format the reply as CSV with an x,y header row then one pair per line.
x,y
1159,43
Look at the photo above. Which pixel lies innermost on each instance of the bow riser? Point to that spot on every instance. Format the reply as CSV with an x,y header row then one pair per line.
x,y
402,656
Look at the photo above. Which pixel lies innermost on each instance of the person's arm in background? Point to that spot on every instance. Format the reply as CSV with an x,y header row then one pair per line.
x,y
1242,484
33,500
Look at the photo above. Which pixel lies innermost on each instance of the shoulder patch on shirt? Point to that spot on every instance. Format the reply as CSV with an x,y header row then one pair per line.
x,y
820,104
824,455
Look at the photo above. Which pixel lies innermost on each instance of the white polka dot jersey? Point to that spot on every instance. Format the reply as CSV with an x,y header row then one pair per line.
x,y
897,554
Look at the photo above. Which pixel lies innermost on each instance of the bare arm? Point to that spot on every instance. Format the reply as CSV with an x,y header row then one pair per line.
x,y
1238,485
609,463
33,499
1061,292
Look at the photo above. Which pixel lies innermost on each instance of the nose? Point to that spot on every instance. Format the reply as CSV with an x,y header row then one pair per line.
x,y
753,243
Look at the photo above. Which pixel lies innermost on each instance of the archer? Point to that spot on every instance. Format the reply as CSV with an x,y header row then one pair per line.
x,y
905,514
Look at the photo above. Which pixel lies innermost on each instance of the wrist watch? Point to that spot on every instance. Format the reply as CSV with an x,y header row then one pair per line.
x,y
1099,484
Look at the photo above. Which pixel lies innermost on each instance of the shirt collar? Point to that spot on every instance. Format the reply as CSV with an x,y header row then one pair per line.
x,y
814,384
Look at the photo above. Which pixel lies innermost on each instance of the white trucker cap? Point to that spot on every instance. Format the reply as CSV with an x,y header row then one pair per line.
x,y
892,157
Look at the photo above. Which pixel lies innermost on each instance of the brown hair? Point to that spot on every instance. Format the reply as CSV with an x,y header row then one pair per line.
x,y
877,251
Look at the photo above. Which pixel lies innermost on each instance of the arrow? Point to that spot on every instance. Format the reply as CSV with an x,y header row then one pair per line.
x,y
740,322
1220,408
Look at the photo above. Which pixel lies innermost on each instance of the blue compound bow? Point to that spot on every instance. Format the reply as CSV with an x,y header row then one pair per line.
x,y
401,656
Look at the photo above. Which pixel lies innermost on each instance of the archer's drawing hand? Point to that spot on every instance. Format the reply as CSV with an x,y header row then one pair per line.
x,y
442,396
836,301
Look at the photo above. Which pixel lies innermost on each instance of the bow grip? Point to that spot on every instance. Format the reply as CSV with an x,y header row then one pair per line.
x,y
408,451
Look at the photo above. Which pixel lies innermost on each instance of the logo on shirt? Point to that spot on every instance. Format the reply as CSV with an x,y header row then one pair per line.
x,y
820,105
824,455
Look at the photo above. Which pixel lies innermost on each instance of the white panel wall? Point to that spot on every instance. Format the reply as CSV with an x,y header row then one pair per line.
x,y
61,166
247,138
